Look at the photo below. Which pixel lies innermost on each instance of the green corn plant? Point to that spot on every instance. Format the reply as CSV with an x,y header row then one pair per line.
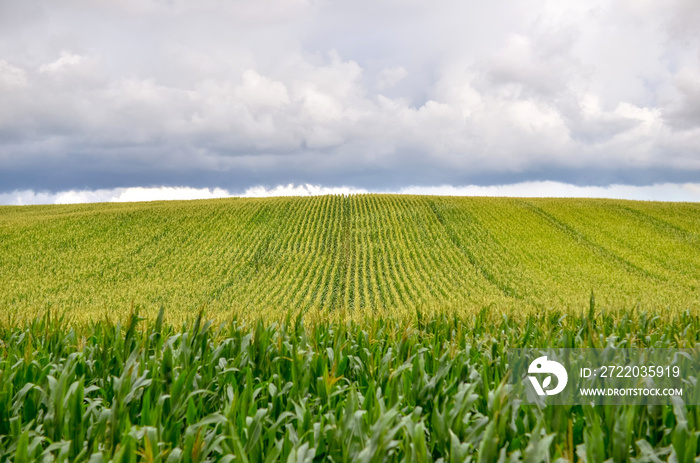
x,y
376,389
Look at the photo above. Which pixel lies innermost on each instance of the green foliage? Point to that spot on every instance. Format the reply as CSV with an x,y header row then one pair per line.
x,y
370,328
385,389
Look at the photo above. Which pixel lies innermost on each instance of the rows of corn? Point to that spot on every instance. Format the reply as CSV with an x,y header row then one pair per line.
x,y
431,387
378,253
385,326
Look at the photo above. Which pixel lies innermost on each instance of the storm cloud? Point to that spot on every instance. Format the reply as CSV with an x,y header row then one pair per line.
x,y
373,95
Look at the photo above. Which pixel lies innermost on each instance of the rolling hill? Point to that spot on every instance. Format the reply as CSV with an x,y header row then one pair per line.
x,y
382,253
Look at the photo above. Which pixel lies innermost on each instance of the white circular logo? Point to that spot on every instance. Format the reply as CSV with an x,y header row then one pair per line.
x,y
550,367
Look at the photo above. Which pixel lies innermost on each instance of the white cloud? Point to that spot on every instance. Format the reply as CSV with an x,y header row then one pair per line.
x,y
167,193
117,195
11,77
390,77
258,91
66,61
299,190
689,192
658,192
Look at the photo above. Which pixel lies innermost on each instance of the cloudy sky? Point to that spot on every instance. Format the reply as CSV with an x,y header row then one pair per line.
x,y
105,99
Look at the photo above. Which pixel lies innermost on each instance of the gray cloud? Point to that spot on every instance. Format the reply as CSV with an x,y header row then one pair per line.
x,y
107,94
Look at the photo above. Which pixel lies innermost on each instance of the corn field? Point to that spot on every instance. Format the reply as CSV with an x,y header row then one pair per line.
x,y
362,328
432,388
387,254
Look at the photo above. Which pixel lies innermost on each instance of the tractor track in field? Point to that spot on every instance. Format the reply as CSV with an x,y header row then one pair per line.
x,y
503,287
583,240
